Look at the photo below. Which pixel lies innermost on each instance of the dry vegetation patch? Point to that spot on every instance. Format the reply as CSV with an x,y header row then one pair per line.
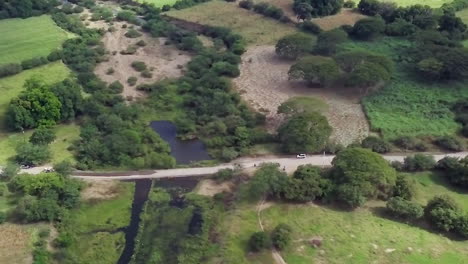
x,y
264,84
209,187
15,244
345,17
100,190
256,29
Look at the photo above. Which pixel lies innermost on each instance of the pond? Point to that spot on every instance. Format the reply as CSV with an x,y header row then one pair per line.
x,y
184,151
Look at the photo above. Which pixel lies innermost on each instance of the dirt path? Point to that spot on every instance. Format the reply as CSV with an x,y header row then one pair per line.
x,y
163,61
264,84
274,253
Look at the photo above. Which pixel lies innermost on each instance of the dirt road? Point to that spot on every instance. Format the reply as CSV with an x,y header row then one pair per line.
x,y
288,163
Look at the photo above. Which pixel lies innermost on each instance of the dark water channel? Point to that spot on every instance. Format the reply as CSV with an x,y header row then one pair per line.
x,y
185,152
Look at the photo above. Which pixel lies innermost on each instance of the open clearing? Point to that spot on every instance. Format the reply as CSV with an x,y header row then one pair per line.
x,y
345,17
255,28
27,38
165,60
100,190
264,84
359,236
405,106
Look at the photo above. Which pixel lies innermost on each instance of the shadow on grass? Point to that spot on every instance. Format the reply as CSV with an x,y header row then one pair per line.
x,y
420,223
438,177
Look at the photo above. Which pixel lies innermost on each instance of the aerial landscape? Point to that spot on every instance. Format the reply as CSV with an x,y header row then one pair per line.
x,y
233,131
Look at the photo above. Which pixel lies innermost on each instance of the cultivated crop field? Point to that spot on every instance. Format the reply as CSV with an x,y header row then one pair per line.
x,y
256,29
406,106
28,38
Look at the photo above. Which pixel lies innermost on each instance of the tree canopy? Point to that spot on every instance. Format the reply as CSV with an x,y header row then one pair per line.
x,y
305,9
295,45
315,70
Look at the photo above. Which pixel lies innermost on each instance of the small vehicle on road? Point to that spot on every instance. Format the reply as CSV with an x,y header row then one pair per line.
x,y
47,170
301,156
24,167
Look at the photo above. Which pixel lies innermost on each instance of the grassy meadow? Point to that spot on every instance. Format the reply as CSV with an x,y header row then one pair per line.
x,y
431,3
359,236
255,28
158,3
407,106
27,38
95,227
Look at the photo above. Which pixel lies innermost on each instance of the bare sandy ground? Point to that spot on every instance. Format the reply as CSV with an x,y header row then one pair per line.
x,y
345,17
100,190
264,84
209,187
166,61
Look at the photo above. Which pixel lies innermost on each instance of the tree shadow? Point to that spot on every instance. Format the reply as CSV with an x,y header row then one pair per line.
x,y
438,177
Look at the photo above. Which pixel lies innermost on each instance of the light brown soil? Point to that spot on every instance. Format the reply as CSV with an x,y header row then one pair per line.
x,y
100,190
210,187
15,244
345,17
165,60
264,84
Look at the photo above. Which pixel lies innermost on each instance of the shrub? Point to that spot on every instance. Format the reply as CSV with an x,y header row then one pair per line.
x,y
310,27
141,43
55,55
34,62
132,49
166,8
259,241
327,41
3,217
139,66
42,136
404,187
349,4
315,8
29,154
449,143
368,28
295,45
400,27
315,70
419,162
455,170
410,143
246,4
281,236
442,212
132,80
223,175
110,71
146,74
404,209
132,33
10,69
116,87
377,144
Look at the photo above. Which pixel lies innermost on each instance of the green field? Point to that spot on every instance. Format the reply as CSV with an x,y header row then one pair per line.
x,y
27,38
95,228
255,28
431,3
406,106
158,3
359,236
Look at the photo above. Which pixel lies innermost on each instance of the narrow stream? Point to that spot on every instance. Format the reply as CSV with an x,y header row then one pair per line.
x,y
184,152
142,188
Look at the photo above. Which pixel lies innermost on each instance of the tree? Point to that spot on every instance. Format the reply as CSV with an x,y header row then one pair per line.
x,y
315,70
29,154
69,94
405,209
9,171
363,173
442,212
267,180
42,136
318,7
376,144
307,184
304,132
430,68
32,107
456,171
281,236
295,45
259,241
328,41
419,162
64,168
368,28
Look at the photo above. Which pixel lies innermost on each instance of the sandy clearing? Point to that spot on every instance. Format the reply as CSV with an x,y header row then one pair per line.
x,y
345,17
100,190
209,187
264,84
15,244
165,60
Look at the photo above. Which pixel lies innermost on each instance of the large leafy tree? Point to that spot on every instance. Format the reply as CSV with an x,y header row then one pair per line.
x,y
35,106
359,174
316,8
305,132
292,46
307,184
315,70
